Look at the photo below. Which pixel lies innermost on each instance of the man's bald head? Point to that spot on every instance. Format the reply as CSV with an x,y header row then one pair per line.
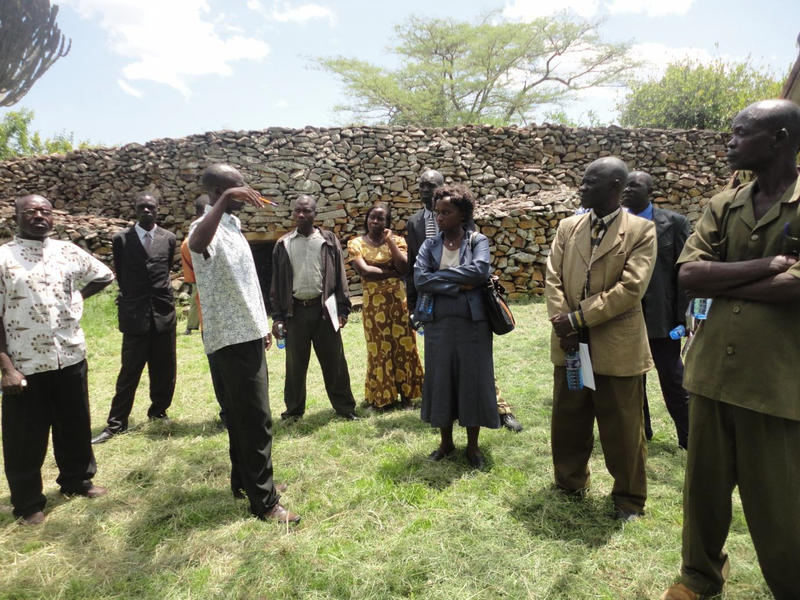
x,y
602,184
765,134
428,182
637,191
218,178
34,217
23,201
775,115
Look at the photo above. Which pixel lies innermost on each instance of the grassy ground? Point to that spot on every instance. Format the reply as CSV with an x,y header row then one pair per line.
x,y
378,520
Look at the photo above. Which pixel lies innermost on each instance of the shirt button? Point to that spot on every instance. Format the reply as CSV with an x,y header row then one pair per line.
x,y
754,237
737,309
729,351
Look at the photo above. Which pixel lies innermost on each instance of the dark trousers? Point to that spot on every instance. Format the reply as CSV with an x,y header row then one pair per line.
x,y
667,357
617,406
157,351
219,389
57,399
730,446
242,371
305,328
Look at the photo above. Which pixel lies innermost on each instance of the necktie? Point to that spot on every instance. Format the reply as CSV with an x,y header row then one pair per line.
x,y
146,242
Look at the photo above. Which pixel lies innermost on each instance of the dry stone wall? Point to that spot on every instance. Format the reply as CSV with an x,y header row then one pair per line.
x,y
526,180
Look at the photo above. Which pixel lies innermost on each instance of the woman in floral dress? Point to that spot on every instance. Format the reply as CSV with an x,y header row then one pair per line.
x,y
393,365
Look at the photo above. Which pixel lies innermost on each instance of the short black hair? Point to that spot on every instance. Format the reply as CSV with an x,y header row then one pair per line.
x,y
386,208
460,196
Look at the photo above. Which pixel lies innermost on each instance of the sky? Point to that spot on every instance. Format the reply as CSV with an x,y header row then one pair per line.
x,y
147,69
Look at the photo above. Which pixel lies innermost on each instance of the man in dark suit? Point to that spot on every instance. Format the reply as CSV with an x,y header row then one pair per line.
x,y
420,227
146,309
664,304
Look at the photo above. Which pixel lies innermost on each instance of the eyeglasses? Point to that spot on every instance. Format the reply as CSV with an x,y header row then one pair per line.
x,y
30,212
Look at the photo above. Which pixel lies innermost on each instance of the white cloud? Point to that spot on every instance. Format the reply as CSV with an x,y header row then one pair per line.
x,y
282,103
656,57
285,12
168,41
128,88
651,8
525,10
531,9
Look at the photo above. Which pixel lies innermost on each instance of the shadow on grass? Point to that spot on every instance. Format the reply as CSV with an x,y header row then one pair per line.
x,y
436,475
302,427
179,428
178,513
549,513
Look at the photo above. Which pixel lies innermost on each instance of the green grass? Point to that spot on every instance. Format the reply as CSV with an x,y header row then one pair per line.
x,y
378,520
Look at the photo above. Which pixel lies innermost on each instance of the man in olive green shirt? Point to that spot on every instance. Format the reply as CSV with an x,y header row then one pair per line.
x,y
741,369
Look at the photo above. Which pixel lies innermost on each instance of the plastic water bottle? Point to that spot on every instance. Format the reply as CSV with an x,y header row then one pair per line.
x,y
677,332
426,307
700,308
280,337
574,377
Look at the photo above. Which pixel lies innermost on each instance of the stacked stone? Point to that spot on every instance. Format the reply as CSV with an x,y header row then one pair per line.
x,y
525,179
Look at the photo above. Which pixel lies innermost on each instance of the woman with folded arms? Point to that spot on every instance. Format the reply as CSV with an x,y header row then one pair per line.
x,y
459,369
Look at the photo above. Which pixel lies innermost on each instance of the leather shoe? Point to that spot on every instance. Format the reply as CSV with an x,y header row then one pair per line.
x,y
623,515
440,454
477,461
280,514
289,418
348,416
36,518
93,492
679,592
510,422
103,436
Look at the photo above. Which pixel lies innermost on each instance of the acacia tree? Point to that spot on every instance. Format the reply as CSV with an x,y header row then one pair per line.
x,y
30,42
493,71
694,95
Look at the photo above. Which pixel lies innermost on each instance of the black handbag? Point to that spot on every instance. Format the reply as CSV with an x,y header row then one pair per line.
x,y
501,319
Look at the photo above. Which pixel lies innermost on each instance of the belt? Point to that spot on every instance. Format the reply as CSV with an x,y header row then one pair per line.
x,y
312,302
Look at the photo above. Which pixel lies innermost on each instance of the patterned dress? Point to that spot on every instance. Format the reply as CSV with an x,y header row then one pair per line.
x,y
393,363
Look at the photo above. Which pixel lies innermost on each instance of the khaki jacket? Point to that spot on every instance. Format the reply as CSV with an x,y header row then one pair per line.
x,y
619,275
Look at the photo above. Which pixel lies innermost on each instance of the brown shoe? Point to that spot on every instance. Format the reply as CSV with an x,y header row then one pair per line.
x,y
93,492
680,592
36,518
280,514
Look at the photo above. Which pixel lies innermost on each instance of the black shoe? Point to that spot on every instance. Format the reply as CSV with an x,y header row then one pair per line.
x,y
510,422
103,436
477,461
289,418
623,515
348,416
162,416
439,454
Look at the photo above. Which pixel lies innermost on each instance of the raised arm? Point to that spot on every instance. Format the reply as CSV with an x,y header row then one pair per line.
x,y
205,230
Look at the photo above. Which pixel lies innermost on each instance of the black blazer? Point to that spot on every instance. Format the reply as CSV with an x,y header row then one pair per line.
x,y
415,236
664,304
145,297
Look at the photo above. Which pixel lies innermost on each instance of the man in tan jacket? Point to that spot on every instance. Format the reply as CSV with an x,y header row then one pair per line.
x,y
598,270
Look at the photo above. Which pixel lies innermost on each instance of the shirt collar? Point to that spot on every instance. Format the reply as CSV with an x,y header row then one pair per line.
x,y
141,231
294,234
607,220
31,243
647,213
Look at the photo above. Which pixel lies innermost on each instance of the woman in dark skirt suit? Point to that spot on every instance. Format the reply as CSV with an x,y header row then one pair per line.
x,y
459,370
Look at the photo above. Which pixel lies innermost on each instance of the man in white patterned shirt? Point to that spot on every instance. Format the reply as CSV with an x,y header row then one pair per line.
x,y
43,283
235,334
